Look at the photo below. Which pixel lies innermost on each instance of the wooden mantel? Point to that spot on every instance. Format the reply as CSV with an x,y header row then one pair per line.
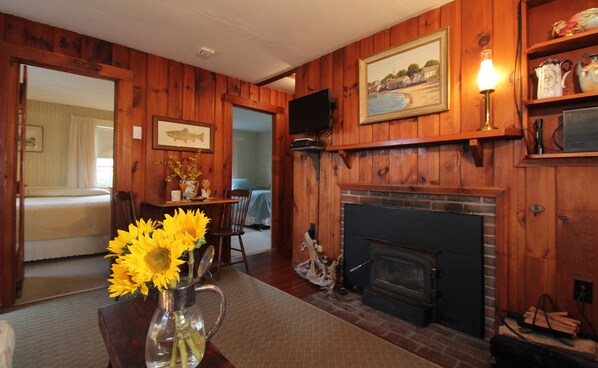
x,y
475,139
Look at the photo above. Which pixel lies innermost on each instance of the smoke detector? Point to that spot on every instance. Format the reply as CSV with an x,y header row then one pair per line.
x,y
205,53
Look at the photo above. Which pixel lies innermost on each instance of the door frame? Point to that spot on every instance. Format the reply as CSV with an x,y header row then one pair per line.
x,y
11,57
281,178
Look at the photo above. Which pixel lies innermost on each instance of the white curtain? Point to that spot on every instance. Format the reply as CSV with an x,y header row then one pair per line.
x,y
82,153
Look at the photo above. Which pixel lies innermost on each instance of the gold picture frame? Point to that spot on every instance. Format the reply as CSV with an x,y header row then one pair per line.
x,y
182,135
393,85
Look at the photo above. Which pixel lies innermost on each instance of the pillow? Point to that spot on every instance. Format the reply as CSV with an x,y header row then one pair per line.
x,y
64,192
243,184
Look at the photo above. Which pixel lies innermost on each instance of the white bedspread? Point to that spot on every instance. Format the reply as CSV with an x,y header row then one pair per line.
x,y
63,222
66,217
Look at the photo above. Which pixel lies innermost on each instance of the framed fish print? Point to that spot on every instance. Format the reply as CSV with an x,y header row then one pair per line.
x,y
182,135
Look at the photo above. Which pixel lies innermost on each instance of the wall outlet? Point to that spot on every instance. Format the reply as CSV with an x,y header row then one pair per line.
x,y
582,291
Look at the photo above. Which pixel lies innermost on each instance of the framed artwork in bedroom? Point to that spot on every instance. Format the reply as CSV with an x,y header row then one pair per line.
x,y
34,138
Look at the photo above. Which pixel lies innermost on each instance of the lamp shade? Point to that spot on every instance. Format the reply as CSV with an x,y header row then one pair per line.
x,y
487,75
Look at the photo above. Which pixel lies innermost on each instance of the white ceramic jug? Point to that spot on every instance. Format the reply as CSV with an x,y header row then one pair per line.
x,y
588,74
550,82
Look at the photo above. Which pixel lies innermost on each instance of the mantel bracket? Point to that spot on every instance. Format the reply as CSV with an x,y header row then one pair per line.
x,y
315,160
346,157
477,152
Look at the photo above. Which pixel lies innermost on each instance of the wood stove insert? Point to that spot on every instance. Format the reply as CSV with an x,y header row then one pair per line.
x,y
402,281
442,252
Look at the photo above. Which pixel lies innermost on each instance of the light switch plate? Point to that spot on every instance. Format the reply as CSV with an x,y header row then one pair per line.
x,y
136,132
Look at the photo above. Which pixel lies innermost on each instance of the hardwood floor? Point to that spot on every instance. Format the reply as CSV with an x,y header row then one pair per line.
x,y
275,268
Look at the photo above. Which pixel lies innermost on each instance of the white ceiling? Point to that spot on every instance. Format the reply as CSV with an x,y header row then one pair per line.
x,y
253,40
69,89
251,121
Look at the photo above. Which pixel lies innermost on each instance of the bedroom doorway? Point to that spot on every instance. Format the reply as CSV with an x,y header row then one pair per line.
x,y
252,169
67,165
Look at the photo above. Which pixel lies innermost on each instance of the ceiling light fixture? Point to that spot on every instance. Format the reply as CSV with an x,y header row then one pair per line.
x,y
205,53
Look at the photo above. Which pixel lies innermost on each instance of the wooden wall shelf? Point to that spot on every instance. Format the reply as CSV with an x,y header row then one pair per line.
x,y
561,159
475,140
577,97
314,153
563,44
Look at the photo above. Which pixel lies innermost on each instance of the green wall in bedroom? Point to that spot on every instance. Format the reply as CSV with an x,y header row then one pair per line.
x,y
252,157
49,167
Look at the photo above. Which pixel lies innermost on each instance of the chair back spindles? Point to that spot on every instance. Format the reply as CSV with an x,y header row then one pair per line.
x,y
124,210
231,224
239,210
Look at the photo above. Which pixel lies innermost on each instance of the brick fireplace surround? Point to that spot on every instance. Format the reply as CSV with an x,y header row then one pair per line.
x,y
440,344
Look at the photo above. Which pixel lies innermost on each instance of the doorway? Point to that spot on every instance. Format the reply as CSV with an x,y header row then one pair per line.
x,y
252,169
67,166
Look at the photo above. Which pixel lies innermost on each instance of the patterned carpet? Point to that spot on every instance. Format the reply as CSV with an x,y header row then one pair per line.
x,y
63,276
263,327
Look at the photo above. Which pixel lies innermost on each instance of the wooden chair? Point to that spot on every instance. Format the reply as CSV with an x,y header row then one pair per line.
x,y
123,207
231,224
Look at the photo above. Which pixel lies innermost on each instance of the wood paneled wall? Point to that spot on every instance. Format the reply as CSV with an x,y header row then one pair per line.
x,y
538,254
146,85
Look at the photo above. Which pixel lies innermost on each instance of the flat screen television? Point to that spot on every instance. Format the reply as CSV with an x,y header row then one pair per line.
x,y
311,113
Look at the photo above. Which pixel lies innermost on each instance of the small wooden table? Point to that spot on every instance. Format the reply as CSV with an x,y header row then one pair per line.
x,y
124,327
212,207
156,210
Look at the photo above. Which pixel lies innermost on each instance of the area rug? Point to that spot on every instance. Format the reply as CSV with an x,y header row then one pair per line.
x,y
263,327
63,276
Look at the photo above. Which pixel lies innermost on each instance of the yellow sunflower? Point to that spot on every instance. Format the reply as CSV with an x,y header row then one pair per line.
x,y
122,281
155,258
125,238
188,226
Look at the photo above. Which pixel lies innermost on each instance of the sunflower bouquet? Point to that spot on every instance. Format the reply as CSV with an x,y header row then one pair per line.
x,y
150,255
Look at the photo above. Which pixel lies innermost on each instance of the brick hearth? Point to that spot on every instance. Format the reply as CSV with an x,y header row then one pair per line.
x,y
436,343
440,344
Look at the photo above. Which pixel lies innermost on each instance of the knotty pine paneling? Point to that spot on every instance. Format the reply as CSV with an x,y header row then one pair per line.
x,y
450,121
67,43
531,249
403,162
576,250
147,85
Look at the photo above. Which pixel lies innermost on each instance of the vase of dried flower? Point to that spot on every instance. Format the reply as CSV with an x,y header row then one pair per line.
x,y
189,188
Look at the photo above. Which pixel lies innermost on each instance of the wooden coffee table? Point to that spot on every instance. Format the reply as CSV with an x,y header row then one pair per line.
x,y
124,326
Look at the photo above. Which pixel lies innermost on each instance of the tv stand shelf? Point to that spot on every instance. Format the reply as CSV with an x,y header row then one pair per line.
x,y
475,140
314,153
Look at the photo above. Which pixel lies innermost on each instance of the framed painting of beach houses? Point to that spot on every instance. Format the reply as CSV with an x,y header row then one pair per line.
x,y
182,135
406,80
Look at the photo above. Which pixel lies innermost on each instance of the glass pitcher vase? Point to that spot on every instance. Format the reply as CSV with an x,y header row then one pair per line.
x,y
177,331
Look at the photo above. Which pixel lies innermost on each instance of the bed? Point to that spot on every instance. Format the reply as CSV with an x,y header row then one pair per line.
x,y
260,204
63,222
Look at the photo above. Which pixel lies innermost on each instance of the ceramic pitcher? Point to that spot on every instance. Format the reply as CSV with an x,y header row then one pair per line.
x,y
551,80
588,73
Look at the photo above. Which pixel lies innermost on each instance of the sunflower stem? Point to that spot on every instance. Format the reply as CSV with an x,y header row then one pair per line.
x,y
174,355
194,348
191,266
183,349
